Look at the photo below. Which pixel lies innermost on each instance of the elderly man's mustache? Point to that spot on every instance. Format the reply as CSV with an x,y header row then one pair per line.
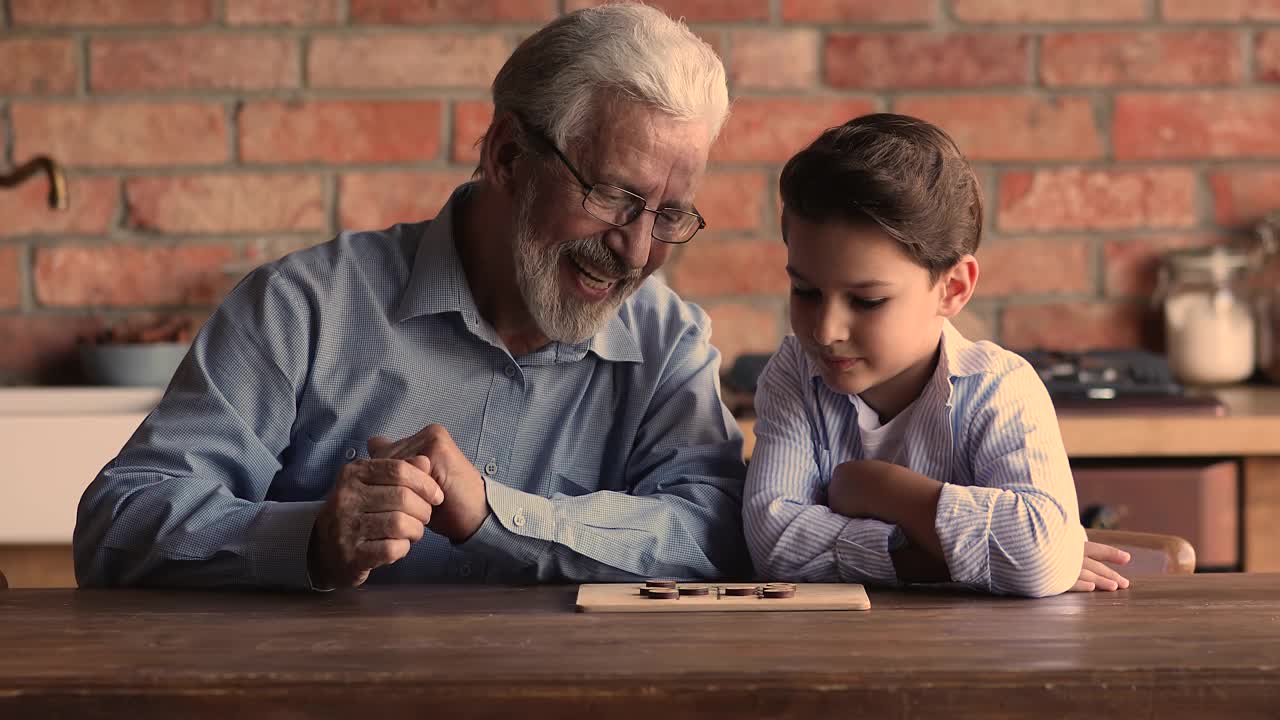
x,y
593,250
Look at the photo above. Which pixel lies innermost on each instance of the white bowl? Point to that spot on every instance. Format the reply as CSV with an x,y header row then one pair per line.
x,y
144,364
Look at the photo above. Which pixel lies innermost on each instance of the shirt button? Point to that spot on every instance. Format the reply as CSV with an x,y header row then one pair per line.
x,y
350,453
510,370
518,518
465,570
491,468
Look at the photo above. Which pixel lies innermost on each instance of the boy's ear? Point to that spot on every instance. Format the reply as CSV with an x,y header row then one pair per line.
x,y
502,148
958,284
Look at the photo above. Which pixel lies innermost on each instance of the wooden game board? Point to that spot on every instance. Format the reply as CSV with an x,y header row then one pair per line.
x,y
626,597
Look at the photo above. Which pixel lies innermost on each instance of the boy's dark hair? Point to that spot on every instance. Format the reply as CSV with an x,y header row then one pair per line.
x,y
901,173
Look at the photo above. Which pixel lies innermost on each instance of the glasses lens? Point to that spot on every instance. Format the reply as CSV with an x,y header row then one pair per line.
x,y
676,226
613,204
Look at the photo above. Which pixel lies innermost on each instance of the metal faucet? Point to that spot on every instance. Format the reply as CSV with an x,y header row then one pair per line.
x,y
59,199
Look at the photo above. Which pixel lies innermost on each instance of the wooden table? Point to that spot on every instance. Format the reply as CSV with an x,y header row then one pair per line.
x,y
1249,432
1201,646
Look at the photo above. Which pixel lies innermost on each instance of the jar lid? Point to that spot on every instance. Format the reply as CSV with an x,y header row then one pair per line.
x,y
1218,261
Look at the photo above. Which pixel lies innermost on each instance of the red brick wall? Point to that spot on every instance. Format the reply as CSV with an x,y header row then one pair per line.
x,y
204,135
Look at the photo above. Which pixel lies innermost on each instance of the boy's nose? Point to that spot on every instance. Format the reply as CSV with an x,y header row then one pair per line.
x,y
832,325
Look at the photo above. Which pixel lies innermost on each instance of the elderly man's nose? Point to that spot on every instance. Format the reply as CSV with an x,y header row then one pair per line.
x,y
632,243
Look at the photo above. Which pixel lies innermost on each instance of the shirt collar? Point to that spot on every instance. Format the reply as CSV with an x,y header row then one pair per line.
x,y
438,284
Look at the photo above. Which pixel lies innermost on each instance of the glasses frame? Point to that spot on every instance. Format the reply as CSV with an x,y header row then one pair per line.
x,y
588,188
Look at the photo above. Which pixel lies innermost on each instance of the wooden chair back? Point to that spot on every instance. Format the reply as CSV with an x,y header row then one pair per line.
x,y
1150,553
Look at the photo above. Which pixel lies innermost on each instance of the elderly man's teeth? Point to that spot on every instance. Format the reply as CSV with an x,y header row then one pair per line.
x,y
590,280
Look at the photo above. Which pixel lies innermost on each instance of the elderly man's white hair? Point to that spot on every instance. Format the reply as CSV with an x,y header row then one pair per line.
x,y
558,77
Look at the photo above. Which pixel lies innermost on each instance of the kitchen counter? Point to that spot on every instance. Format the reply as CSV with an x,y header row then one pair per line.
x,y
53,441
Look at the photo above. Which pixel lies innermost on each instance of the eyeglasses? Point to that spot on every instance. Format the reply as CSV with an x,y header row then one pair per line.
x,y
619,207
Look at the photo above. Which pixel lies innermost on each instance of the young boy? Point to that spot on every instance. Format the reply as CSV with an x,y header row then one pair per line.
x,y
888,447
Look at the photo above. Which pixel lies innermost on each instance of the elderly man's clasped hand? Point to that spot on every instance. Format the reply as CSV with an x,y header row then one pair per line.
x,y
380,506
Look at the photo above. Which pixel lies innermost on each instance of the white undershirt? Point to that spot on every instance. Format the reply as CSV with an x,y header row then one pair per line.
x,y
882,442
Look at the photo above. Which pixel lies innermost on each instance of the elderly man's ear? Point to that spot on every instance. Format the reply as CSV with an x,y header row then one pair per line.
x,y
502,150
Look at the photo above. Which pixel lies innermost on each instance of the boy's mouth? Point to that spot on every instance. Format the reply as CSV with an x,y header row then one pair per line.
x,y
840,363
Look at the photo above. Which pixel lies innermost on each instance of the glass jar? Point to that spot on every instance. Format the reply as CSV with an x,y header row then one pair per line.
x,y
1266,285
1210,333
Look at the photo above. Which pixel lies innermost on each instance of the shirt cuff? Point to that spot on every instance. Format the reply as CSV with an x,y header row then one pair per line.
x,y
964,543
520,526
862,552
276,550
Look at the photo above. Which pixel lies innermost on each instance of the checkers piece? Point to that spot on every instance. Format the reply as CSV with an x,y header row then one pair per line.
x,y
663,594
738,590
660,583
696,590
779,592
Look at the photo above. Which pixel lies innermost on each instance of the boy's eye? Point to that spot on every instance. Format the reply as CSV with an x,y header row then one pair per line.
x,y
867,303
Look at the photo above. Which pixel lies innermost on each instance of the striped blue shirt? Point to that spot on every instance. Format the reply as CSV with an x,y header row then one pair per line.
x,y
607,460
984,425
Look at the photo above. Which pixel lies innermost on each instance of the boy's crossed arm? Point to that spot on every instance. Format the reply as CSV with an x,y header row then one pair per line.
x,y
900,496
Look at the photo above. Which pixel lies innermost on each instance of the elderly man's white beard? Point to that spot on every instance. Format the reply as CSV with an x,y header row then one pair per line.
x,y
561,316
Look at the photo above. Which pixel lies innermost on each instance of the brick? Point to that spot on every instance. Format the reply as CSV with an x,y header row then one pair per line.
x,y
740,329
40,349
924,60
24,210
226,203
774,59
772,129
1221,124
10,276
1267,56
108,13
131,276
1034,11
37,66
1132,264
1220,10
122,134
696,10
1074,326
406,60
471,120
372,200
264,250
708,269
1102,59
1078,199
336,131
976,322
1013,127
447,11
859,11
1034,266
733,201
282,12
194,62
1241,196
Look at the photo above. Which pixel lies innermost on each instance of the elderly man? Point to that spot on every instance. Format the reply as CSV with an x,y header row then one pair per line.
x,y
558,412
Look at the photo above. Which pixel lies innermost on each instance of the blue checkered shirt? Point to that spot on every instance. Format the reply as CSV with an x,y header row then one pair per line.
x,y
984,425
608,460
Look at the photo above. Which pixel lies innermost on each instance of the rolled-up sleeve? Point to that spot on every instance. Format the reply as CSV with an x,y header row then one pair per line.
x,y
1016,530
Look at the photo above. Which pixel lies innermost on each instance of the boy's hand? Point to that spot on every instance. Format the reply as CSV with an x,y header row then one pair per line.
x,y
1095,575
889,493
